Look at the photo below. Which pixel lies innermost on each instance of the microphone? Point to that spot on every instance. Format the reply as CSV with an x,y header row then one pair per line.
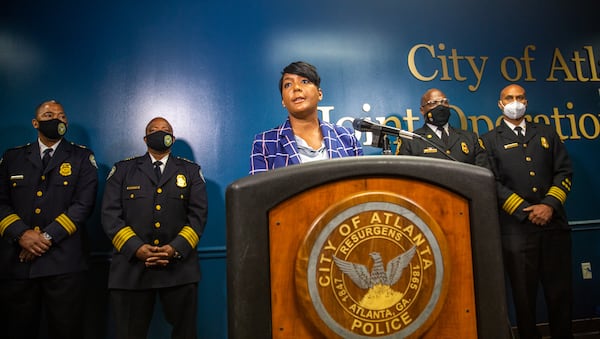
x,y
369,126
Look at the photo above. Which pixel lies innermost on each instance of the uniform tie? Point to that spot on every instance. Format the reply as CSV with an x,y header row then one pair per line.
x,y
157,169
520,135
444,135
46,157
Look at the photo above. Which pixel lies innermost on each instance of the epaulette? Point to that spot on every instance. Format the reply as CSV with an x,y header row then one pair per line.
x,y
184,159
80,146
130,158
22,146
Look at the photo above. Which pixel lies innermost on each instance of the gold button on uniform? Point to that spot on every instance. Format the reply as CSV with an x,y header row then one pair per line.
x,y
43,177
66,183
159,190
39,193
156,242
534,189
528,159
38,211
157,207
131,196
157,224
532,173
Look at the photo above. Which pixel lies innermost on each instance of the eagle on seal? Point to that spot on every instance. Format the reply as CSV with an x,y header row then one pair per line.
x,y
388,276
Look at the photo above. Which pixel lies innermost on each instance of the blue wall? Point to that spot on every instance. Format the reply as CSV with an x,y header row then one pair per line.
x,y
212,67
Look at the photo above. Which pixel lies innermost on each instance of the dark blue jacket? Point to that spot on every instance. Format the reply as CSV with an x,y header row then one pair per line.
x,y
462,145
137,209
538,171
56,200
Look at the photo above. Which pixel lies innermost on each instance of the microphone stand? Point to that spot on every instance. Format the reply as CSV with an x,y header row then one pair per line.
x,y
386,149
382,141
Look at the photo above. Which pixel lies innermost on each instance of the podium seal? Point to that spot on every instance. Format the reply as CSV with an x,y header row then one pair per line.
x,y
373,265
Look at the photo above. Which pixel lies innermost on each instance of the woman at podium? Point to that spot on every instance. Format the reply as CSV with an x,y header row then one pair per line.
x,y
303,137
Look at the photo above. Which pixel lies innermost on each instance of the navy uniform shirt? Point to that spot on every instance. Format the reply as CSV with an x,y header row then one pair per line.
x,y
137,209
535,171
56,200
462,145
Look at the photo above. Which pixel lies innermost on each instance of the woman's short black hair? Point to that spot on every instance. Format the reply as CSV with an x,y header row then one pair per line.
x,y
303,69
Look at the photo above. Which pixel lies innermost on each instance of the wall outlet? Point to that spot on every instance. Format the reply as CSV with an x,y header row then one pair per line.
x,y
586,270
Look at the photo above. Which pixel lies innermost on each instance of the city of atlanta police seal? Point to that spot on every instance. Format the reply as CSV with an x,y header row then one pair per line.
x,y
373,265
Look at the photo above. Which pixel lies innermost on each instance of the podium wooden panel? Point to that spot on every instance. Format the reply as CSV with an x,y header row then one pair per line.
x,y
270,215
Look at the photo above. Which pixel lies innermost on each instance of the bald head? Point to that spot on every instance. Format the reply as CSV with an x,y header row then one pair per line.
x,y
511,90
432,94
510,93
158,124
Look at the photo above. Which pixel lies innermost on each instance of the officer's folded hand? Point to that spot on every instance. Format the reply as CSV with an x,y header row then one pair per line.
x,y
34,242
25,256
154,256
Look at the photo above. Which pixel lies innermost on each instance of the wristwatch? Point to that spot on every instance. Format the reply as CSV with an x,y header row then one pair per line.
x,y
46,236
177,255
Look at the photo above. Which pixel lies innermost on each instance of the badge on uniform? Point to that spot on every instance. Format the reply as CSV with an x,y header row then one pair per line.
x,y
464,147
65,169
544,142
181,181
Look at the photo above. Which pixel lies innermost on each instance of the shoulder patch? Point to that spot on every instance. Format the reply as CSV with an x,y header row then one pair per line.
x,y
93,160
112,171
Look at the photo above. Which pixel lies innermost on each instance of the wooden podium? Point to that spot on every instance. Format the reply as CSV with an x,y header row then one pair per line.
x,y
366,247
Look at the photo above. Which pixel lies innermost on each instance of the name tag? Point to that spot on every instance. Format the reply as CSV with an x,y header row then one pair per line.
x,y
513,145
131,188
430,150
17,177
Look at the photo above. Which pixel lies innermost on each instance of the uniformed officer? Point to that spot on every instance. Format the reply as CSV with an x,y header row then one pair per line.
x,y
154,211
47,191
459,144
533,174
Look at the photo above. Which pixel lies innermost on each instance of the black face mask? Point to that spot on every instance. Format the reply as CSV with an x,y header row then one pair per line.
x,y
159,141
52,129
439,115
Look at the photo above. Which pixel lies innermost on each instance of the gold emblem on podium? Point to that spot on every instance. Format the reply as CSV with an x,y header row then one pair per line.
x,y
373,266
379,281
